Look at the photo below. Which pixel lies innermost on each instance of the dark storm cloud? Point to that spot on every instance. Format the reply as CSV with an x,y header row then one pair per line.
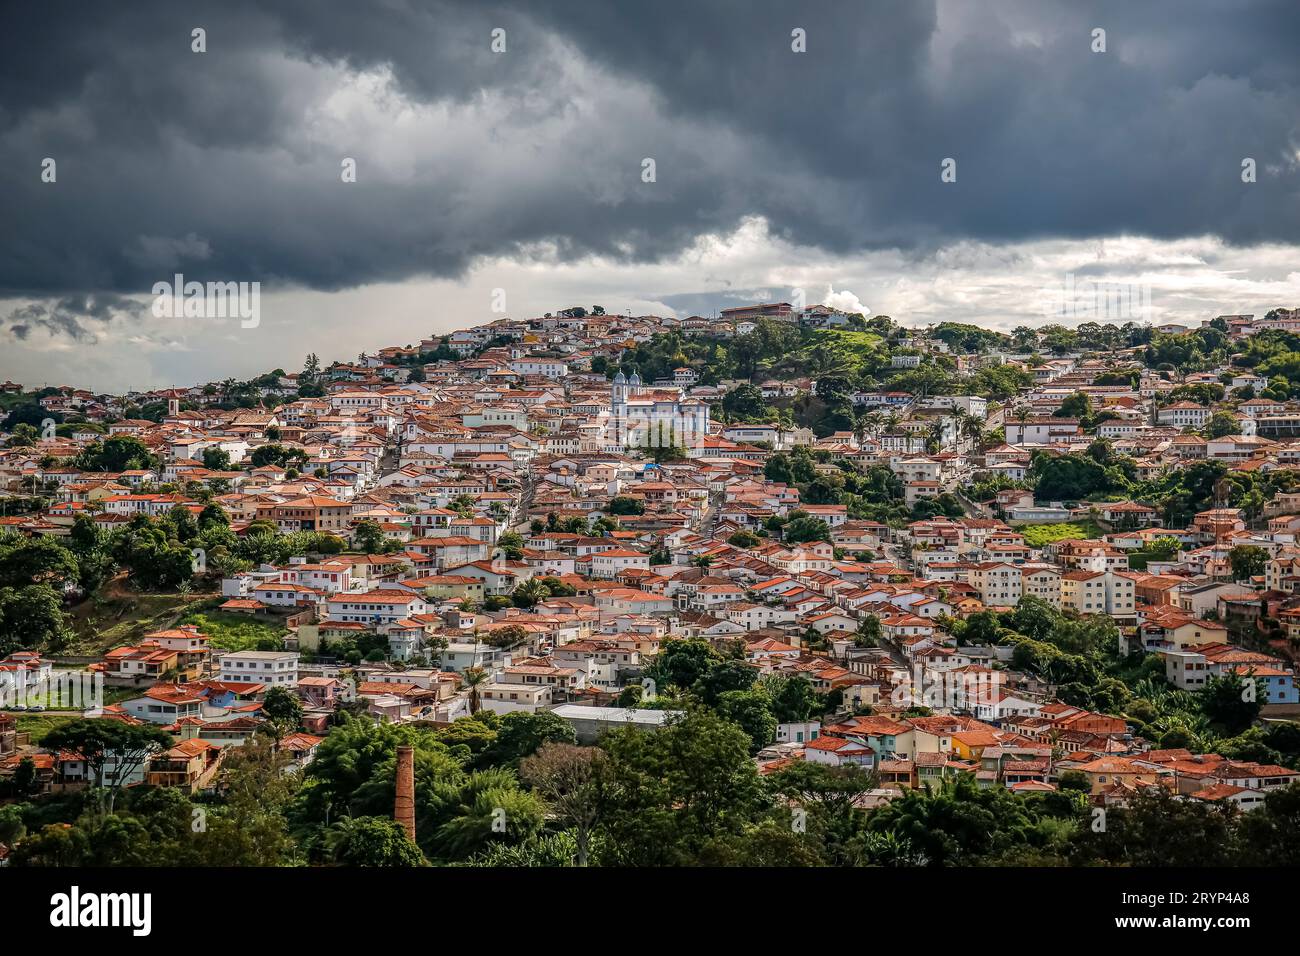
x,y
226,165
70,316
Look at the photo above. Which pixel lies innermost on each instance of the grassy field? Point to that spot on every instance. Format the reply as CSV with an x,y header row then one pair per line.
x,y
1037,535
119,616
102,623
842,348
236,632
851,347
40,725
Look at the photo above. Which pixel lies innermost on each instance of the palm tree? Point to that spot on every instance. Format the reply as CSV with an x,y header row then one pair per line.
x,y
862,427
959,417
531,592
934,436
473,678
888,848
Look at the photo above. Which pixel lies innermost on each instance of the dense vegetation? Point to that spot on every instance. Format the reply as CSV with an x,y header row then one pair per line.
x,y
173,553
516,791
874,493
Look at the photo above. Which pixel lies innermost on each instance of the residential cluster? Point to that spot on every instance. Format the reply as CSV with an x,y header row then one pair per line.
x,y
519,521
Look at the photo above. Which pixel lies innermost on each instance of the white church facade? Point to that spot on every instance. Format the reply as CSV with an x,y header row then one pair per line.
x,y
643,417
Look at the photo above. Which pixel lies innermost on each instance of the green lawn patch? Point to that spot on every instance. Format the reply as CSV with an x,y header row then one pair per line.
x,y
1037,535
40,725
843,350
237,632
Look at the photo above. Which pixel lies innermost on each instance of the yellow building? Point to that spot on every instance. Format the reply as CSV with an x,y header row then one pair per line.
x,y
1084,592
449,587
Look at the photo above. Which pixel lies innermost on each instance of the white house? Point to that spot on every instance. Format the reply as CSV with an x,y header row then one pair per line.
x,y
274,668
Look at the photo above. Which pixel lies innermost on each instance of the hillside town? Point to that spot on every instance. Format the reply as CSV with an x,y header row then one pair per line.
x,y
1053,566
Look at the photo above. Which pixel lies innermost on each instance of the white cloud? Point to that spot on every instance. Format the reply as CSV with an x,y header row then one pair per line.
x,y
845,301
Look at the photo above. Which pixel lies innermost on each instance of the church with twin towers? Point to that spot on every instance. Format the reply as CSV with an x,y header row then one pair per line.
x,y
653,416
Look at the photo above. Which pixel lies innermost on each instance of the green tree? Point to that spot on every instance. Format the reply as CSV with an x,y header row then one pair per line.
x,y
530,593
23,435
745,402
793,698
473,678
32,617
1270,835
100,742
512,545
869,632
730,675
955,825
803,527
1159,828
1222,422
750,710
682,663
830,795
373,841
671,791
982,627
1077,405
368,537
573,781
251,828
509,637
1247,561
626,505
484,807
520,734
283,707
1229,702
56,844
216,459
156,559
40,560
1069,477
118,454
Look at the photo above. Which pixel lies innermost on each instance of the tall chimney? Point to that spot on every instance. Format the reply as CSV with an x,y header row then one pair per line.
x,y
404,805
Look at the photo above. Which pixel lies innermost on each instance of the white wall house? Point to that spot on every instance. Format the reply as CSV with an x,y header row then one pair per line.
x,y
274,668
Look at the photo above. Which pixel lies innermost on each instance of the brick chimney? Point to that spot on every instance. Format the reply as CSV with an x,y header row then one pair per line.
x,y
404,805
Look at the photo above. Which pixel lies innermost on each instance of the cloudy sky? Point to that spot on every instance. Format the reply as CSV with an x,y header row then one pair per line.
x,y
522,170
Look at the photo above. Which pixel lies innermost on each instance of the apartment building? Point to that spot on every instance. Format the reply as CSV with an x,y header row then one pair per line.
x,y
273,668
